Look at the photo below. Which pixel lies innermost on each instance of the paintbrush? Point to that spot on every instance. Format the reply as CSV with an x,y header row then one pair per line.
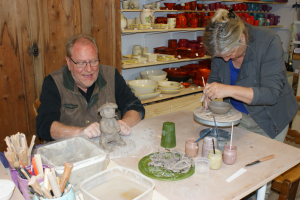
x,y
213,145
216,128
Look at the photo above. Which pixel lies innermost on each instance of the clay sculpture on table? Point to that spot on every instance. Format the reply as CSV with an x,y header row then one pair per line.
x,y
109,128
174,161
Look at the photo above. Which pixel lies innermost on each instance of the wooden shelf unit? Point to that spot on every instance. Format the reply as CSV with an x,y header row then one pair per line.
x,y
140,10
130,66
190,90
177,29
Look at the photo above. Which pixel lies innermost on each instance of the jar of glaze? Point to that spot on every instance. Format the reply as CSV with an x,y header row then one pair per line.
x,y
136,50
229,155
215,158
191,148
221,143
207,145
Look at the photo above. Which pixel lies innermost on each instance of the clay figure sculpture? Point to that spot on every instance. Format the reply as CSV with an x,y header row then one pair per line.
x,y
175,161
109,128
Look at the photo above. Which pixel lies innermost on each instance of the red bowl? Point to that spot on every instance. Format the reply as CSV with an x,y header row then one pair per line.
x,y
170,5
172,15
203,72
186,84
176,72
199,77
199,81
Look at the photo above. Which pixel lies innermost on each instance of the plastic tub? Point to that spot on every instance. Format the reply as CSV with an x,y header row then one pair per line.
x,y
103,178
87,158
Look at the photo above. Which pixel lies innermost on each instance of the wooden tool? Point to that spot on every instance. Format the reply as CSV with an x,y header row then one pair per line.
x,y
30,148
35,169
65,177
35,185
46,193
55,187
38,161
46,181
25,174
261,160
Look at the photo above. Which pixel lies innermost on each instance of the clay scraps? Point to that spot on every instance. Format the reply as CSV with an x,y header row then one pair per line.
x,y
175,161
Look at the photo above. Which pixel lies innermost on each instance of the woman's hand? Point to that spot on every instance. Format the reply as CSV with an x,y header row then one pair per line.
x,y
216,90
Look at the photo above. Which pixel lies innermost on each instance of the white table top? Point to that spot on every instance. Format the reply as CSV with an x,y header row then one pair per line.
x,y
250,147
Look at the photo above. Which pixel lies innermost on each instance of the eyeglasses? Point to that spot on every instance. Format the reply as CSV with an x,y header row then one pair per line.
x,y
83,64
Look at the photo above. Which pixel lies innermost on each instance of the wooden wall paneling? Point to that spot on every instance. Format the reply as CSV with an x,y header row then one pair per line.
x,y
107,30
16,74
182,103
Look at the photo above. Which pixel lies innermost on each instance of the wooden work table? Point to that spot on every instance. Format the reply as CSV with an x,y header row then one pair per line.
x,y
250,147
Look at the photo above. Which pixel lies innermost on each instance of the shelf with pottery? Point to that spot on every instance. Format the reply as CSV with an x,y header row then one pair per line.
x,y
258,2
177,29
130,66
193,88
140,10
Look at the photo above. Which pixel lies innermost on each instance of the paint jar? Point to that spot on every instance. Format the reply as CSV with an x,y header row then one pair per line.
x,y
202,168
215,159
207,145
221,143
191,148
229,155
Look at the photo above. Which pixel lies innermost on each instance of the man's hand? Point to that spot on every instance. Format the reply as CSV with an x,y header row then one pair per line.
x,y
125,129
91,131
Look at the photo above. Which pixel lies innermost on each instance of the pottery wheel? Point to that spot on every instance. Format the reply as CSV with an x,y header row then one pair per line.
x,y
121,151
213,133
206,117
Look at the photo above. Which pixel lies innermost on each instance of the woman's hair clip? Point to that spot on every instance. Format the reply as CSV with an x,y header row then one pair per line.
x,y
231,14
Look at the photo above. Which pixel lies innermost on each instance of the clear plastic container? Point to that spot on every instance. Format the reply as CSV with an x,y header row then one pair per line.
x,y
87,158
100,182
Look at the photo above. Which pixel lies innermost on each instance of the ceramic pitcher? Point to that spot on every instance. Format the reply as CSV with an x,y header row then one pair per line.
x,y
123,21
146,16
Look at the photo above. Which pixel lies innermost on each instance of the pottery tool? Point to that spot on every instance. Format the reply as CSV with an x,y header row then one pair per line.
x,y
261,160
35,185
38,161
35,169
213,145
55,187
209,130
30,148
231,135
236,174
67,189
24,173
46,193
46,182
65,177
203,81
216,127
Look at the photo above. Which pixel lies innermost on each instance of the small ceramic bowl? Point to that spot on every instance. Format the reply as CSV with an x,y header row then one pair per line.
x,y
171,88
219,107
147,96
168,84
169,5
156,75
186,84
142,87
148,6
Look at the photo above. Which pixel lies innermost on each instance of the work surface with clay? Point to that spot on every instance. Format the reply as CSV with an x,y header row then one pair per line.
x,y
250,147
231,116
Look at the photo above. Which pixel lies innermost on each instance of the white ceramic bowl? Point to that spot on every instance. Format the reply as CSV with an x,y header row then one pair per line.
x,y
148,96
6,189
156,75
168,84
143,86
171,91
146,6
170,88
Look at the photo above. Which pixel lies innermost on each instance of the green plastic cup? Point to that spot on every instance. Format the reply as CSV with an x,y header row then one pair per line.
x,y
168,137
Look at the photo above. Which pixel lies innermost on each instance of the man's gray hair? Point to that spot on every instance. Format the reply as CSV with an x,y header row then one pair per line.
x,y
73,39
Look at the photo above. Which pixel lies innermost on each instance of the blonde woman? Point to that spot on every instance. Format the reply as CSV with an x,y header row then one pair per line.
x,y
248,71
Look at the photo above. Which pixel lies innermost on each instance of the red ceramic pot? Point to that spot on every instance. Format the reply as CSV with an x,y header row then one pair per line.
x,y
223,6
187,7
183,43
176,72
202,72
200,6
193,5
181,21
200,38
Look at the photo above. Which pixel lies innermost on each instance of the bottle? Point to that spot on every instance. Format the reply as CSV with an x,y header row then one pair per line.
x,y
207,145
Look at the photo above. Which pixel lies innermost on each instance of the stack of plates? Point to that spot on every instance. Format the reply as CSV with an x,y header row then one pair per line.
x,y
170,87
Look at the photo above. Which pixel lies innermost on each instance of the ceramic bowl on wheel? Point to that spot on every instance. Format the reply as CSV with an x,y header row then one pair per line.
x,y
219,107
142,87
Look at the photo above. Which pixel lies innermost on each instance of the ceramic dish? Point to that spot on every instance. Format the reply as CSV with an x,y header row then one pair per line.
x,y
6,189
168,84
148,96
219,107
171,88
171,91
142,87
156,75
